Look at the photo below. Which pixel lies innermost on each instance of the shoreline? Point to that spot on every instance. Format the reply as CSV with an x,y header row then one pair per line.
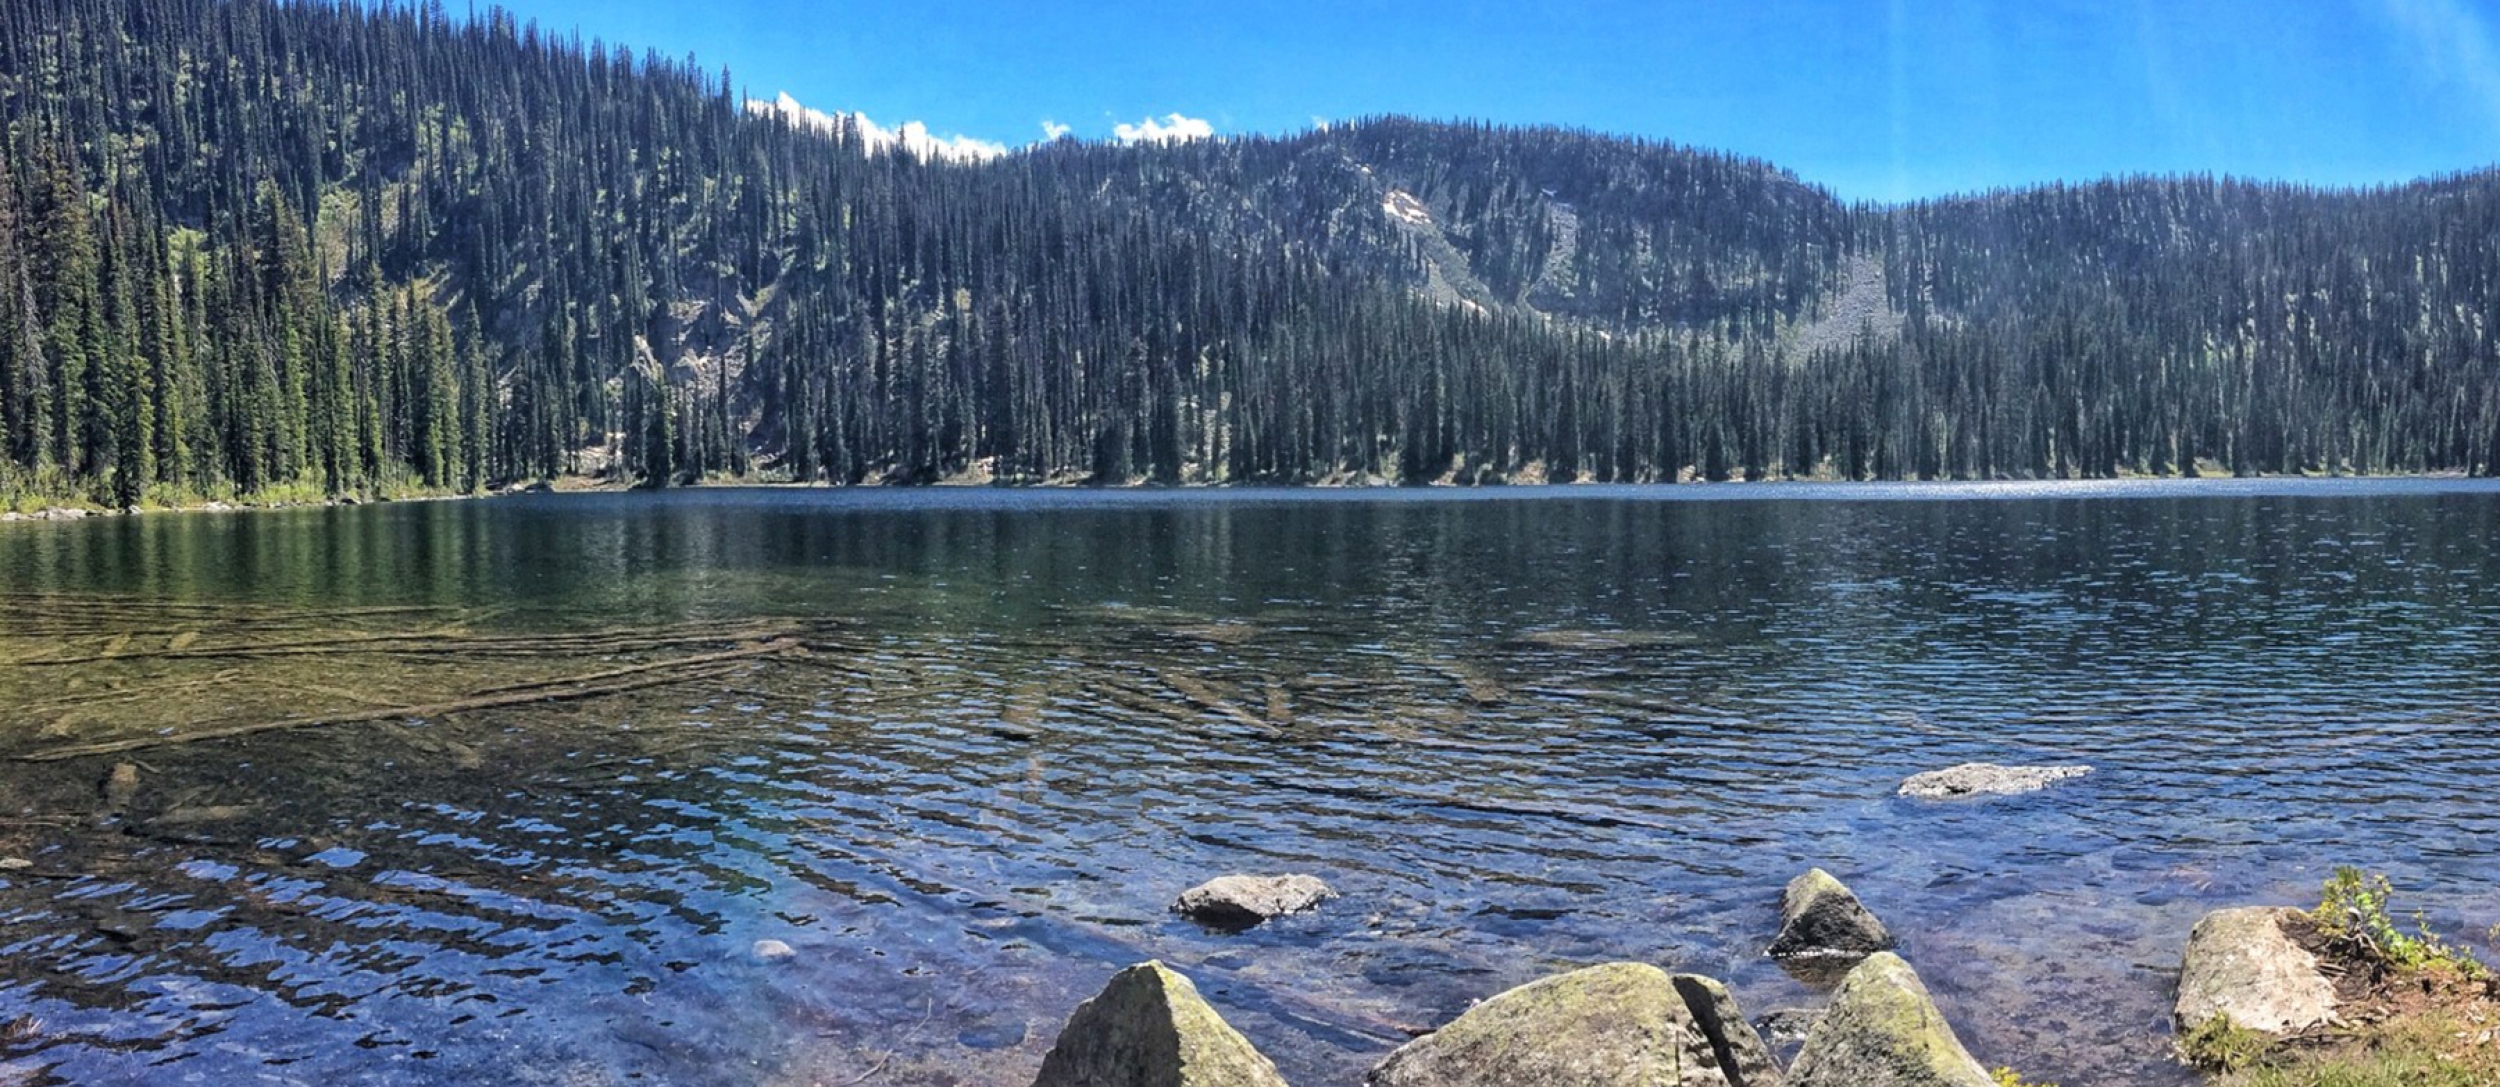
x,y
75,510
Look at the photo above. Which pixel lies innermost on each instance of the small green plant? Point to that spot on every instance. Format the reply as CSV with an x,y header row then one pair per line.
x,y
2353,912
2007,1077
2222,1045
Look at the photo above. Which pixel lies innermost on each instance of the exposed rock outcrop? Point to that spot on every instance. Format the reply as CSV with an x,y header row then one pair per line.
x,y
1617,1025
2241,966
1237,902
1821,916
1883,1030
1150,1028
1977,779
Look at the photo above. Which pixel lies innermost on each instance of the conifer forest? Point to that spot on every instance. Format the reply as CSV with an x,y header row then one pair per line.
x,y
256,248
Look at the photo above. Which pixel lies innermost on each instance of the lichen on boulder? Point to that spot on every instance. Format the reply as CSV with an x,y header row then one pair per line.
x,y
1617,1025
1150,1028
1883,1030
2242,966
1819,915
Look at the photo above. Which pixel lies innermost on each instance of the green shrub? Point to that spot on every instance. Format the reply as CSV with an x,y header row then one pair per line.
x,y
2353,912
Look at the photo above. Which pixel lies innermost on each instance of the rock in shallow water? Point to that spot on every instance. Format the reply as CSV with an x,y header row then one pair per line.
x,y
2242,966
1821,916
1618,1025
1883,1030
1243,901
1972,779
772,951
1150,1028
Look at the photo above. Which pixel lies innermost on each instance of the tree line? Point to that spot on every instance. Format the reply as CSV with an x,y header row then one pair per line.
x,y
313,248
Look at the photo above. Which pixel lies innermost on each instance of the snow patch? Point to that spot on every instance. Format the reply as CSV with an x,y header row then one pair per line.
x,y
1404,208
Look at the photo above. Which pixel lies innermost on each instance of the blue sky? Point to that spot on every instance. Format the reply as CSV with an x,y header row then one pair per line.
x,y
1880,100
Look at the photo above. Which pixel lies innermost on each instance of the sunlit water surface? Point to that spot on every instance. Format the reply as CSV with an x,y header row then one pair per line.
x,y
1519,730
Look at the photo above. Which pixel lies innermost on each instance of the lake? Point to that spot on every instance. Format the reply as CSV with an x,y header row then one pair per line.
x,y
958,749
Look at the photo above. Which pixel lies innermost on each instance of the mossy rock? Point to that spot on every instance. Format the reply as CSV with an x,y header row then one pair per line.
x,y
1150,1028
1618,1025
1883,1030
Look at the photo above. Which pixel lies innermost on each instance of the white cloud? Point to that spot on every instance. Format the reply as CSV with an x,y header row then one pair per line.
x,y
1172,128
1052,130
911,136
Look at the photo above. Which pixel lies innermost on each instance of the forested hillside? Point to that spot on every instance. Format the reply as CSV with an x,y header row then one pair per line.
x,y
301,249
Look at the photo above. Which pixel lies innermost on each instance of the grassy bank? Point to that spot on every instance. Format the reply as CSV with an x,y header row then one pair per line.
x,y
2412,1009
28,493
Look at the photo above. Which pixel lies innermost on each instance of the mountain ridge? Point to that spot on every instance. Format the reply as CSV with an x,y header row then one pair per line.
x,y
256,247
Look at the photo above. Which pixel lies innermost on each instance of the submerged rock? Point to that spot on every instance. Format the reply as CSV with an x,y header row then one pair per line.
x,y
1619,1025
1821,916
1786,1028
1242,901
1986,779
120,787
1150,1028
772,951
1883,1030
2241,966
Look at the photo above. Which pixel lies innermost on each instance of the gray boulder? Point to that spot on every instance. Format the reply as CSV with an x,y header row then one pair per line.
x,y
1821,916
1883,1030
1743,1055
1242,901
1976,779
1618,1025
2241,966
1150,1028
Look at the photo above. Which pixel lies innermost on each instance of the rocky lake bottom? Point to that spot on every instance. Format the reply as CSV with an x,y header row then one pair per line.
x,y
553,769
